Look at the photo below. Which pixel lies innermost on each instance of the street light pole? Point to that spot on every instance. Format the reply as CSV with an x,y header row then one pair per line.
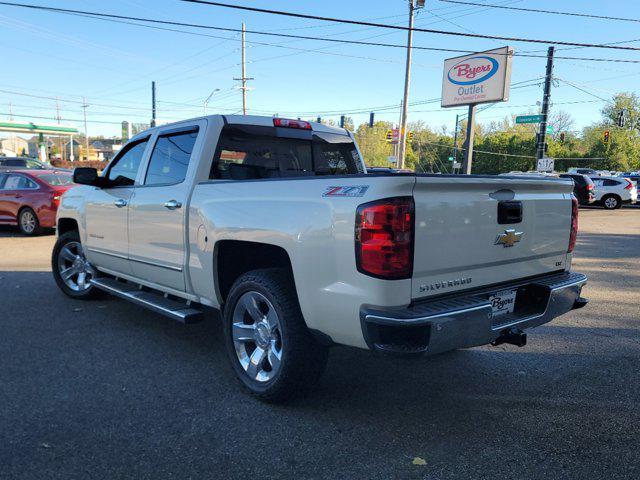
x,y
206,102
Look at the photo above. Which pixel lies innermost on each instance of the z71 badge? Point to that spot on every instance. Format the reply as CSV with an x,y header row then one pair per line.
x,y
346,191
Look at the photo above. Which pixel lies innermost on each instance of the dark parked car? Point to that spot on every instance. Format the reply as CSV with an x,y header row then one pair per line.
x,y
30,198
583,187
21,163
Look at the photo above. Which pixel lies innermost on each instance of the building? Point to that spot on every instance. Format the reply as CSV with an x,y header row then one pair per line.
x,y
14,146
76,150
104,148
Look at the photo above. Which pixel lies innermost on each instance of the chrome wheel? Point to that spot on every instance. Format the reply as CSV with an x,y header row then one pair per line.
x,y
27,221
611,202
74,269
257,336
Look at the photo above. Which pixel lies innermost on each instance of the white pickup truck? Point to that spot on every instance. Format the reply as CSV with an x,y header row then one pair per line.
x,y
277,224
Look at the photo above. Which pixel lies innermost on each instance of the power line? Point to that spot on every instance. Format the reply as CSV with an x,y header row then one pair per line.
x,y
123,18
400,27
551,12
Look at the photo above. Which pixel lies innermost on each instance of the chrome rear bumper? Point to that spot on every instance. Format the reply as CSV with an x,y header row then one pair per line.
x,y
466,320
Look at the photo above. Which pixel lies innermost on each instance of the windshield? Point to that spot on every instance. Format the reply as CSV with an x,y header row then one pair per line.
x,y
35,164
57,179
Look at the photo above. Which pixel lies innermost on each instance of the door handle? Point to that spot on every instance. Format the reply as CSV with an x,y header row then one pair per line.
x,y
121,202
172,204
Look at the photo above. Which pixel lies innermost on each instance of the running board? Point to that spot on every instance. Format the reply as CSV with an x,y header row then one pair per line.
x,y
156,301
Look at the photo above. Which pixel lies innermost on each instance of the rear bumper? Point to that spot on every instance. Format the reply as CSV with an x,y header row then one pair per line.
x,y
466,320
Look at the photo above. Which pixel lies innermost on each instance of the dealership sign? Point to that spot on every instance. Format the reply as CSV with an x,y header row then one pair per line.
x,y
477,78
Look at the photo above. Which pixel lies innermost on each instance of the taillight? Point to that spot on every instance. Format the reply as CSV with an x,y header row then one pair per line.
x,y
629,184
590,186
56,199
287,123
574,224
384,238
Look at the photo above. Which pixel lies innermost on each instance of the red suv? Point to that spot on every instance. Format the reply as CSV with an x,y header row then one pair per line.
x,y
30,198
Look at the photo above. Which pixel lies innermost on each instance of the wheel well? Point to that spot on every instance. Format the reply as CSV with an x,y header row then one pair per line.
x,y
66,225
234,257
612,195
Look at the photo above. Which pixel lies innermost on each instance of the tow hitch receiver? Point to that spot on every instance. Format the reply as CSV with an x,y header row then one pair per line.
x,y
514,336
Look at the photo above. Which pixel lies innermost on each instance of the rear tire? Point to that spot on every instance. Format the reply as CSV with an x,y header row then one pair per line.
x,y
270,348
71,271
28,222
611,202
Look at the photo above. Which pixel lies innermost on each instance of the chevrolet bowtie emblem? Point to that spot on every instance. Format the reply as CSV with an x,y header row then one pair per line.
x,y
509,238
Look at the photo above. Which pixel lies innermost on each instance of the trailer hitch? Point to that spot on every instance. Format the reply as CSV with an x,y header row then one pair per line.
x,y
513,336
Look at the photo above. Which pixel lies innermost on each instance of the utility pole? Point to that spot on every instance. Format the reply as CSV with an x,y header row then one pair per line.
x,y
10,112
86,134
542,136
244,77
153,103
468,143
407,79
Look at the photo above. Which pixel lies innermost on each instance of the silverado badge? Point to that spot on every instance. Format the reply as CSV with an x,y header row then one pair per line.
x,y
509,238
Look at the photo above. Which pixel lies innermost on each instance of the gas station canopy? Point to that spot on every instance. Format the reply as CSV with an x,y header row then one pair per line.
x,y
33,128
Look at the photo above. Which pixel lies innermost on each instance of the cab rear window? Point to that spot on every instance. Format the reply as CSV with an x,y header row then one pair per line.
x,y
245,156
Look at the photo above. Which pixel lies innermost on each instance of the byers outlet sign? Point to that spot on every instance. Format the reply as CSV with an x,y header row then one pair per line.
x,y
477,78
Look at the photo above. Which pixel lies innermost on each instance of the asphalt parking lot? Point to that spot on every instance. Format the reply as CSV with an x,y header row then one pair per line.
x,y
105,389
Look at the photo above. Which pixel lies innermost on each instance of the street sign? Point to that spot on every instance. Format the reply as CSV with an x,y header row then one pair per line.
x,y
456,165
392,159
477,78
545,164
550,129
528,118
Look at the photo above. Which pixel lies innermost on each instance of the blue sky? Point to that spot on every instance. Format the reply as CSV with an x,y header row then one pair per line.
x,y
112,64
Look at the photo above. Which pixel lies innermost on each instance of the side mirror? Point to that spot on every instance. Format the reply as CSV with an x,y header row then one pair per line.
x,y
85,176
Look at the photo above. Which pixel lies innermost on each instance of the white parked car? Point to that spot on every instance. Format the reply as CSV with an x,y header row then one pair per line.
x,y
613,192
277,224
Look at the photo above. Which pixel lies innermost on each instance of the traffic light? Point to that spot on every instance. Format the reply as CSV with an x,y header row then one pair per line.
x,y
605,137
621,118
562,137
319,120
409,136
389,135
371,120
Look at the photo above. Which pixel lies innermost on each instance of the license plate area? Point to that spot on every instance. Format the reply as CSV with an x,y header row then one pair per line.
x,y
503,302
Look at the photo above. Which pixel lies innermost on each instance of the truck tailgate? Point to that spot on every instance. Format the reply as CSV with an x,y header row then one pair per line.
x,y
460,244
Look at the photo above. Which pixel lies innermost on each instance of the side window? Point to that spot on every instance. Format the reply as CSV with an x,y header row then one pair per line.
x,y
2,179
610,183
125,168
170,158
19,182
15,162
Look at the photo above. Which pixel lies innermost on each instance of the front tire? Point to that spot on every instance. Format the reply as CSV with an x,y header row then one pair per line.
x,y
71,270
611,202
270,348
28,222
